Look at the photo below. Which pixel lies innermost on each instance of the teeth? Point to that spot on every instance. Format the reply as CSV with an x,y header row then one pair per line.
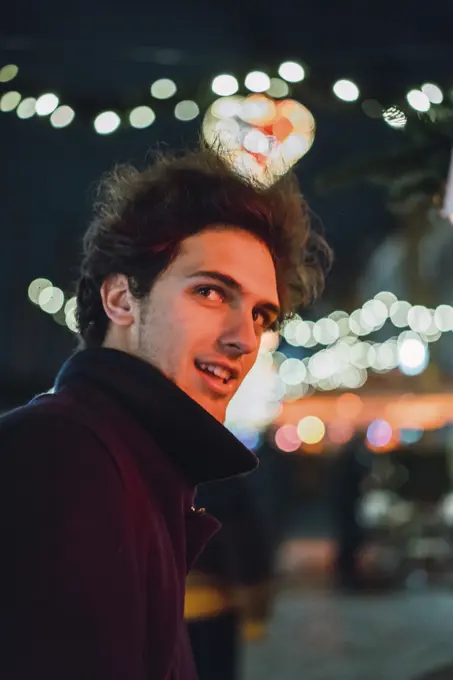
x,y
217,370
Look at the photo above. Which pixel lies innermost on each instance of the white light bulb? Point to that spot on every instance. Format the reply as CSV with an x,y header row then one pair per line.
x,y
346,90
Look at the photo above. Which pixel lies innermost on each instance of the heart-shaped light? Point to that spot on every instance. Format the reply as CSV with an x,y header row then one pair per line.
x,y
260,136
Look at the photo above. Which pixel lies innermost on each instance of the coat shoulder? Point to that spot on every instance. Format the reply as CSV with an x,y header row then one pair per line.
x,y
40,432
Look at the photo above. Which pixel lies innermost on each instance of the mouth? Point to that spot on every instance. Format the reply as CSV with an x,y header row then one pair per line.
x,y
218,379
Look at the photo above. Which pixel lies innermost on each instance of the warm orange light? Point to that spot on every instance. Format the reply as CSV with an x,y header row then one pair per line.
x,y
313,449
340,432
261,137
259,110
349,405
408,411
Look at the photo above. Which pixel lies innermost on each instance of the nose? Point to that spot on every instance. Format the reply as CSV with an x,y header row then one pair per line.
x,y
239,336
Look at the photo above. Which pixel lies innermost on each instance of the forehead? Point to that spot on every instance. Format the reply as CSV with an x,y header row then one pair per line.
x,y
234,252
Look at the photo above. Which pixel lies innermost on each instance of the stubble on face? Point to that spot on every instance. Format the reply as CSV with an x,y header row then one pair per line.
x,y
177,327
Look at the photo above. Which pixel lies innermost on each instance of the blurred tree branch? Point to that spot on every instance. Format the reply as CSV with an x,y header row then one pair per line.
x,y
417,169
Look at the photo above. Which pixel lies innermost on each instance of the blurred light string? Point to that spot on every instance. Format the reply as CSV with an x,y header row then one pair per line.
x,y
345,357
183,100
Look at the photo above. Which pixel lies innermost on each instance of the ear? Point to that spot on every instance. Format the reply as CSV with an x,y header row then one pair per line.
x,y
118,302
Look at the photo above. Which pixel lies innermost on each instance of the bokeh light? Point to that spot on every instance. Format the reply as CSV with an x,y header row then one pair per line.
x,y
164,88
399,312
186,110
46,103
287,438
250,437
257,81
395,117
386,297
410,436
292,371
62,117
291,71
278,88
304,334
418,100
377,312
359,354
142,117
340,431
8,72
260,137
346,90
379,433
36,287
258,109
353,378
433,92
51,299
9,101
27,108
107,122
295,392
413,354
419,318
326,331
311,430
70,304
443,318
225,85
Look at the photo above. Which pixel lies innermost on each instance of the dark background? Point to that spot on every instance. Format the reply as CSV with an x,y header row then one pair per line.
x,y
106,55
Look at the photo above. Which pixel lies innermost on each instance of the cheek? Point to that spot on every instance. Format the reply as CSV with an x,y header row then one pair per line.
x,y
250,361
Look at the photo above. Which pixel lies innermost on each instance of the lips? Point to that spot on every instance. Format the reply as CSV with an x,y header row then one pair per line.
x,y
216,383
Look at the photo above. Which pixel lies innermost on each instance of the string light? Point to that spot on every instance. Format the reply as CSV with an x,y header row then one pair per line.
x,y
9,101
226,85
433,92
46,104
342,364
346,90
278,88
186,110
257,81
142,117
8,72
164,88
62,117
27,108
107,122
395,117
291,71
418,100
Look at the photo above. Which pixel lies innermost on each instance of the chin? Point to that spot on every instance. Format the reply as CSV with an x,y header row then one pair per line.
x,y
216,411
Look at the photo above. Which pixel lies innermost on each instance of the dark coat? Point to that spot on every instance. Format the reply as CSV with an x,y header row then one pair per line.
x,y
97,523
236,565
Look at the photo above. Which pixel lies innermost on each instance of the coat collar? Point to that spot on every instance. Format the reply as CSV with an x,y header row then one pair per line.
x,y
201,447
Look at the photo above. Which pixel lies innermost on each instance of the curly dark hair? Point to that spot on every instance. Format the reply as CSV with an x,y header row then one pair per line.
x,y
142,216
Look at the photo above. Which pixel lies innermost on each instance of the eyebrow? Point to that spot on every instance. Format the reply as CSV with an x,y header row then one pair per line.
x,y
235,285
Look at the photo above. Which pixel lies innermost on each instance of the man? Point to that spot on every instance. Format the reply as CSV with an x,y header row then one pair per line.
x,y
186,265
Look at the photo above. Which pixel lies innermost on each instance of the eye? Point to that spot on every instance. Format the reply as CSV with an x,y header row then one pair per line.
x,y
266,323
258,314
212,293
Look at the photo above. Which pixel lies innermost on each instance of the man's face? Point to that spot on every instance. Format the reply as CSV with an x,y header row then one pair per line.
x,y
202,323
